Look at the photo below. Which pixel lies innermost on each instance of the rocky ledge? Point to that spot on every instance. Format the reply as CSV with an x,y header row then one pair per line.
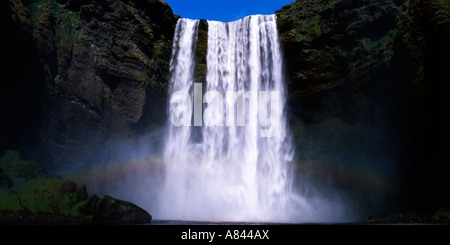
x,y
441,216
30,194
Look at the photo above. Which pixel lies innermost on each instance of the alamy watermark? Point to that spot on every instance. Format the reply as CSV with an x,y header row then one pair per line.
x,y
238,108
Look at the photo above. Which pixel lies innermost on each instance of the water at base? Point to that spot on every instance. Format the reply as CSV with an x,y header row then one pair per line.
x,y
191,222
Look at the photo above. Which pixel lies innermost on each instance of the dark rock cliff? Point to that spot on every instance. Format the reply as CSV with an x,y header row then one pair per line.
x,y
86,71
335,52
367,82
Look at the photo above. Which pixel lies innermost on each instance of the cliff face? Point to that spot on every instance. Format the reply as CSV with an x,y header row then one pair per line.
x,y
345,57
335,51
104,67
379,65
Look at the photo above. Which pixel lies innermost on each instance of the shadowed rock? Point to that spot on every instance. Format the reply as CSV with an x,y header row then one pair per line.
x,y
29,194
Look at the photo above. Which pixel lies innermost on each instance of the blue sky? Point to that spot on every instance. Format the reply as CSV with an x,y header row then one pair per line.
x,y
224,10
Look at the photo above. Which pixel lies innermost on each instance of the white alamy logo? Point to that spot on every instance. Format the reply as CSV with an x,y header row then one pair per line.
x,y
238,108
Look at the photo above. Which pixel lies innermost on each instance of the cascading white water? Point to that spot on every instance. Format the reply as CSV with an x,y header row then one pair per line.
x,y
235,163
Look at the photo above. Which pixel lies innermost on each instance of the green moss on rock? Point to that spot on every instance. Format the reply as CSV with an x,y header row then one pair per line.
x,y
442,215
34,195
18,169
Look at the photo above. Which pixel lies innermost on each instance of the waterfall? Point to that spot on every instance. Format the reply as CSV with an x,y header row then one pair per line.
x,y
228,153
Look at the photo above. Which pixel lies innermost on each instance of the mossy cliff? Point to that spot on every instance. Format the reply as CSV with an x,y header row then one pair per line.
x,y
367,84
200,68
91,71
355,49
